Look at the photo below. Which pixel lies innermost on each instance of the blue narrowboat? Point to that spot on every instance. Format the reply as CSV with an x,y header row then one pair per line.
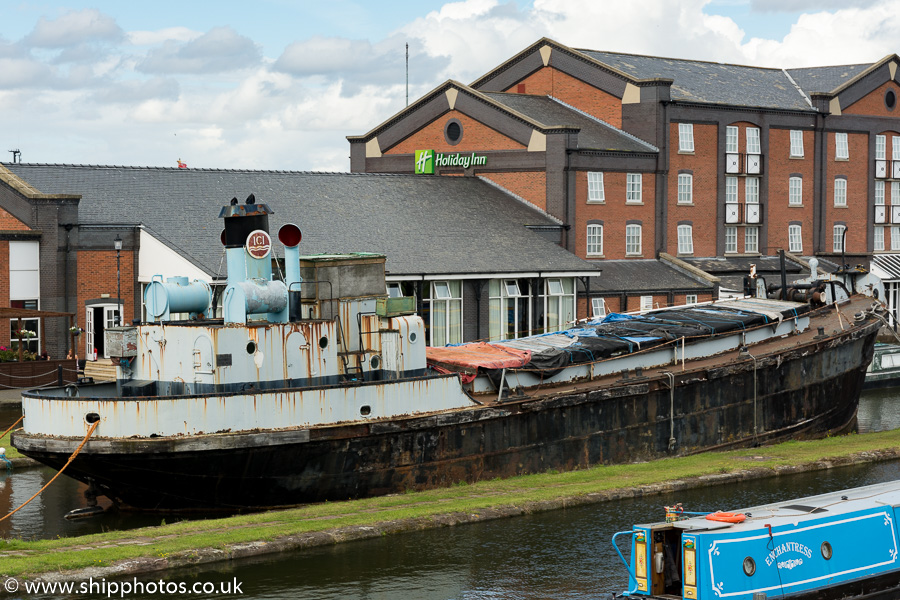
x,y
838,545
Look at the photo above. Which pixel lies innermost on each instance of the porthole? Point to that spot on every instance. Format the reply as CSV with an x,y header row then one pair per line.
x,y
890,99
365,410
453,132
91,418
323,342
375,363
413,337
826,551
251,347
749,566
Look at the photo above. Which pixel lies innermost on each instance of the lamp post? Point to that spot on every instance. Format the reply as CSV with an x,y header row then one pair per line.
x,y
118,244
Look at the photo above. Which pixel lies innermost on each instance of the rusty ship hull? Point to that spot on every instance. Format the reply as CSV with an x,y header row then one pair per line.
x,y
804,384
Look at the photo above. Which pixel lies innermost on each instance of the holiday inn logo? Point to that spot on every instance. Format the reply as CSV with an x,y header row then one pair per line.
x,y
427,160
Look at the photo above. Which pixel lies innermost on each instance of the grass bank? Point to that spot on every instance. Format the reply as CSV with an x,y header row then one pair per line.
x,y
179,544
10,451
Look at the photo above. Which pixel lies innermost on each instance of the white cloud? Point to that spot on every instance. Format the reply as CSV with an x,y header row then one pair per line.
x,y
74,28
152,38
221,49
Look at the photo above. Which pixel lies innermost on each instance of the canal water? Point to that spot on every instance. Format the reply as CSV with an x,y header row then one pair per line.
x,y
563,554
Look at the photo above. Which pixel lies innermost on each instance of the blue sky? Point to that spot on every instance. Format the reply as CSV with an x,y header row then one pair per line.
x,y
279,84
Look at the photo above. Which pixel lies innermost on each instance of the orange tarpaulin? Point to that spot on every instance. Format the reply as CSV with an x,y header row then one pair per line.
x,y
471,357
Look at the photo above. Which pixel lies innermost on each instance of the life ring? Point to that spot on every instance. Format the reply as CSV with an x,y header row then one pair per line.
x,y
726,517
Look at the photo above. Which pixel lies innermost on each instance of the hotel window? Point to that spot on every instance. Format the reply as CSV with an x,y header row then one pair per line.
x,y
880,147
685,137
633,240
730,240
594,240
751,240
751,190
685,188
753,146
731,139
731,184
895,193
595,187
646,303
559,303
796,143
895,238
879,193
633,188
795,191
840,192
837,242
895,147
598,307
685,239
509,308
841,148
444,309
878,239
795,238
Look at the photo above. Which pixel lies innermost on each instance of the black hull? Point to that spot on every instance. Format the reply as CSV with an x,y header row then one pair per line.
x,y
810,390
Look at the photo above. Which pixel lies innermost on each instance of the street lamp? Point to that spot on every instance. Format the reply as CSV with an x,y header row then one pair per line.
x,y
118,244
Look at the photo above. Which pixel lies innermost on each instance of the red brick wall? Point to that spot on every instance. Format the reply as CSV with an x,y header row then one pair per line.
x,y
857,214
872,104
531,186
615,214
4,290
779,167
97,276
475,137
9,222
552,82
703,162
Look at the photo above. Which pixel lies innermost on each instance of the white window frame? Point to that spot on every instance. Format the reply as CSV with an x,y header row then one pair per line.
x,y
555,292
751,190
685,188
442,301
753,141
751,240
633,241
895,193
598,307
394,290
731,189
646,303
795,191
690,298
796,143
895,238
880,147
503,304
877,239
731,139
685,239
795,238
837,238
686,137
731,245
596,192
879,192
895,147
594,246
633,188
840,192
841,147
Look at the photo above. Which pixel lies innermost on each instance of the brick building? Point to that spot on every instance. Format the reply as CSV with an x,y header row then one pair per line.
x,y
641,156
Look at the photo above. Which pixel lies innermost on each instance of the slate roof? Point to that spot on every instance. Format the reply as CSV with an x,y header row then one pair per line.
x,y
736,85
423,224
644,275
732,270
594,135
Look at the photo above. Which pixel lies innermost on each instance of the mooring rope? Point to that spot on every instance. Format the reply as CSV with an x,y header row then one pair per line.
x,y
11,427
68,462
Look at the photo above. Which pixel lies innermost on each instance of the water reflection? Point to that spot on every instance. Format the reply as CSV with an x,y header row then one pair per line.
x,y
879,410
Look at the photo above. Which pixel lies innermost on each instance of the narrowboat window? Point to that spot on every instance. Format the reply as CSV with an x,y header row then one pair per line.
x,y
826,551
749,566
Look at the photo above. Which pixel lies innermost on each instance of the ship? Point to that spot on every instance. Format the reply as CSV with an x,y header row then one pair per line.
x,y
315,385
840,545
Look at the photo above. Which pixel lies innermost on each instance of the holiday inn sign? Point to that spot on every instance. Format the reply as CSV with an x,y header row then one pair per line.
x,y
427,160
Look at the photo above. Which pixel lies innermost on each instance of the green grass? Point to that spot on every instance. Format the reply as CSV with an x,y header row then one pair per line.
x,y
33,557
10,451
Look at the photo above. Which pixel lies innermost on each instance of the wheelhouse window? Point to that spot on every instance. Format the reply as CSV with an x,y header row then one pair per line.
x,y
444,313
596,192
685,137
510,308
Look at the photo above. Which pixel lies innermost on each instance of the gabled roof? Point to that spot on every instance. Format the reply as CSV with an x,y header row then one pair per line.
x,y
423,224
645,275
826,79
594,134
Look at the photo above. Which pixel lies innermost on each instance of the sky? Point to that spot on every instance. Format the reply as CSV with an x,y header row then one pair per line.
x,y
279,84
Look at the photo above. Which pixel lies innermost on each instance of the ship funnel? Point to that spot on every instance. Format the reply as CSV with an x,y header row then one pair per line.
x,y
290,236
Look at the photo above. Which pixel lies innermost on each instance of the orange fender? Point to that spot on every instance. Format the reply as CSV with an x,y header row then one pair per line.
x,y
726,517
